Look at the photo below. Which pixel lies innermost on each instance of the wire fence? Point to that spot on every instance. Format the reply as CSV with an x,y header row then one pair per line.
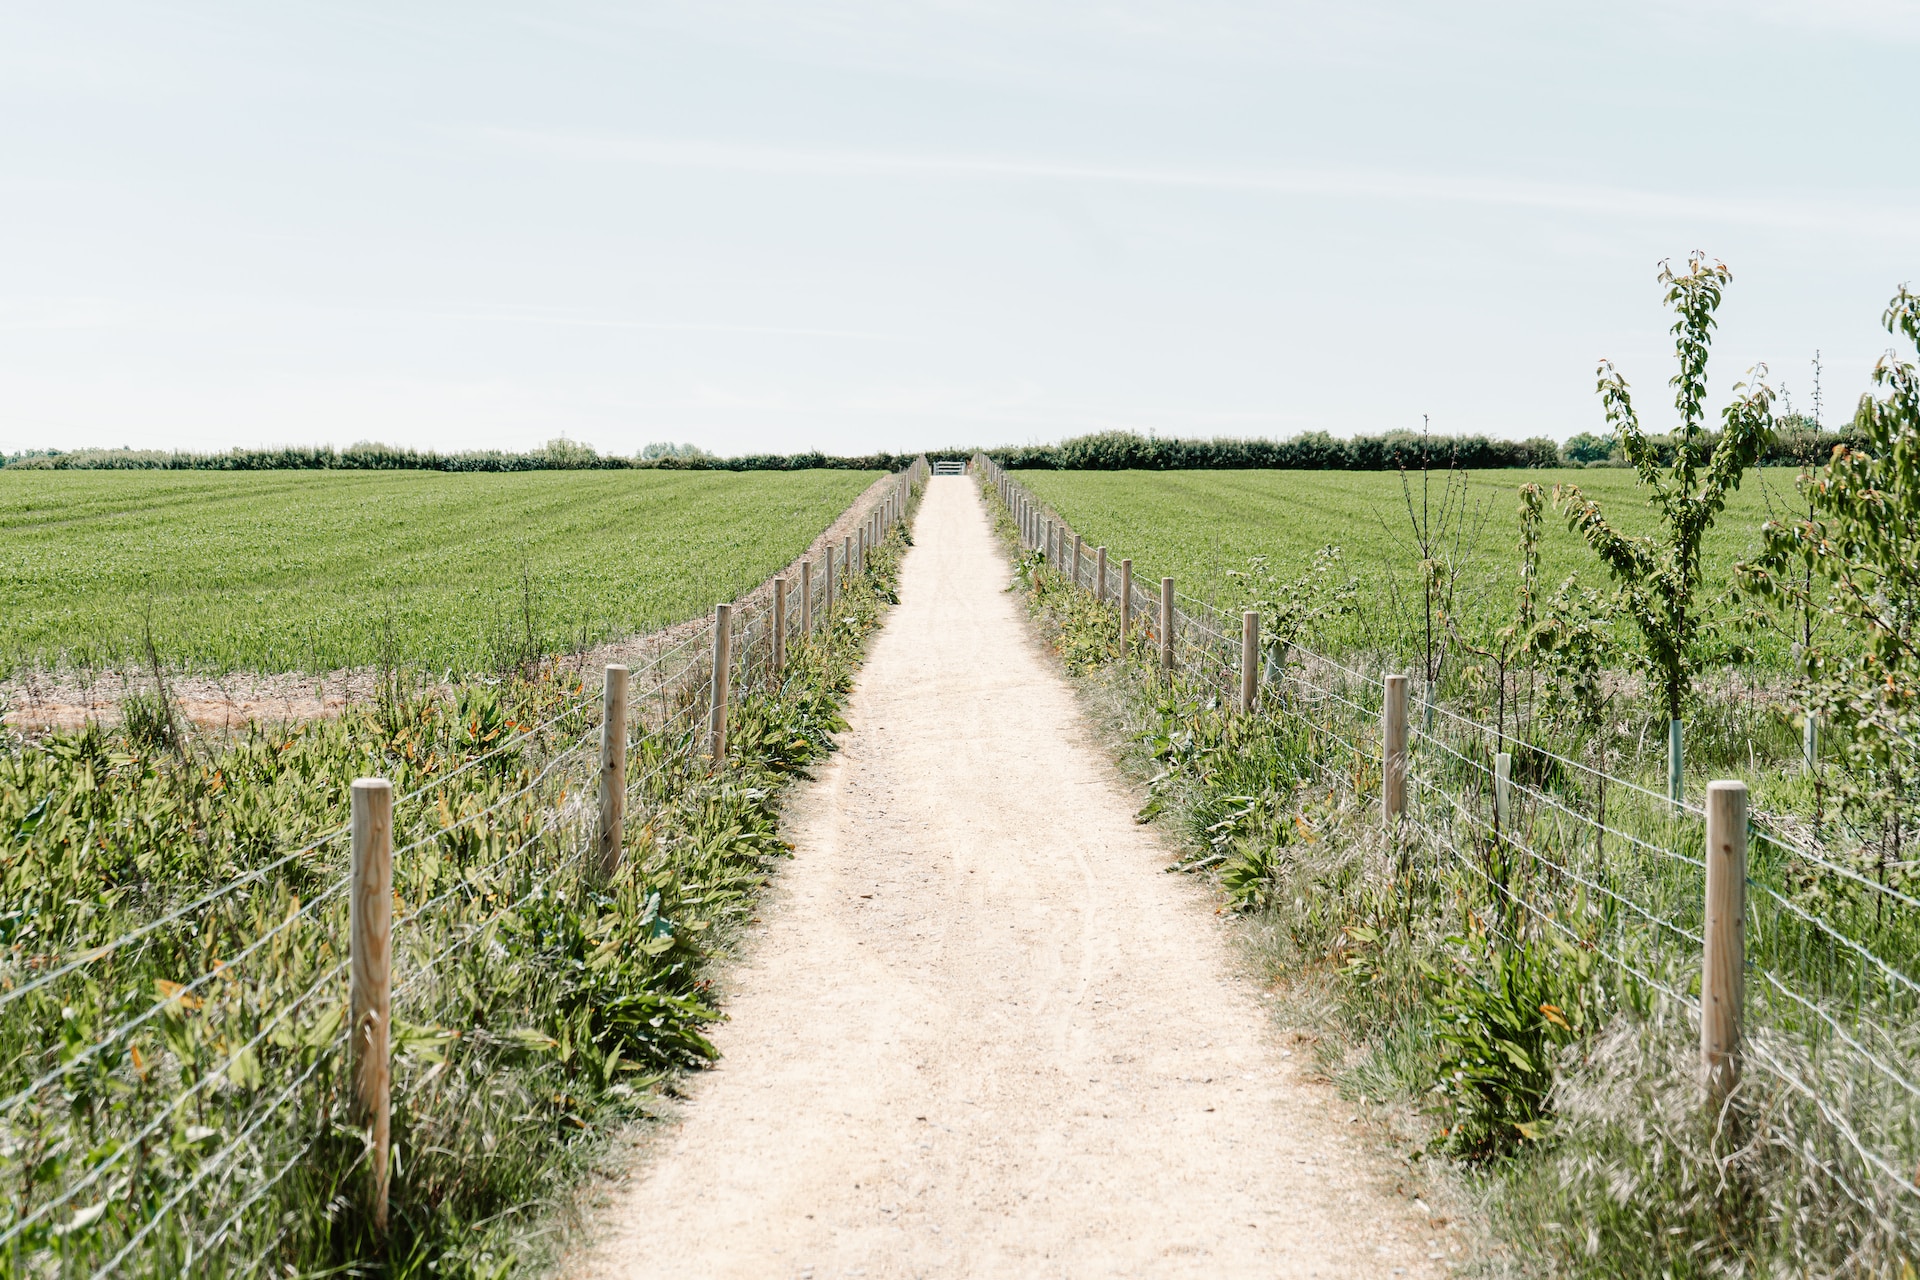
x,y
1567,850
165,1139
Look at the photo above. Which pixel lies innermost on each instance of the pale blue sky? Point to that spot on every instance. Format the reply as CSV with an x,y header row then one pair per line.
x,y
848,226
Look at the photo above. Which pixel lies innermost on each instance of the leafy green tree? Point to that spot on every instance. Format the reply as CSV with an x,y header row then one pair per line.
x,y
1659,576
1855,558
1586,447
1291,608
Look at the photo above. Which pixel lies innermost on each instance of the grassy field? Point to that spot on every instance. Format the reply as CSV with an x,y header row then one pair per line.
x,y
1199,525
1517,985
286,571
174,945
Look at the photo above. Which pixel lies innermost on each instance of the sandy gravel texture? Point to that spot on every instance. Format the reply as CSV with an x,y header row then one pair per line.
x,y
68,699
982,1032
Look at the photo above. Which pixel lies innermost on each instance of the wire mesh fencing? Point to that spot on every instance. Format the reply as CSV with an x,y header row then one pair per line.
x,y
175,1092
1562,850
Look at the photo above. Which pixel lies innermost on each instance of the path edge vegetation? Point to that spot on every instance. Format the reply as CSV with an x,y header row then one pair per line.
x,y
546,1008
1563,1103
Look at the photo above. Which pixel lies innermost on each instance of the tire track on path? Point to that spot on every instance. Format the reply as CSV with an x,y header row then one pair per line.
x,y
982,1032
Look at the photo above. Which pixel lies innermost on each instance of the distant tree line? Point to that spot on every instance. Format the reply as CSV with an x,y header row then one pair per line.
x,y
557,455
1314,451
1796,439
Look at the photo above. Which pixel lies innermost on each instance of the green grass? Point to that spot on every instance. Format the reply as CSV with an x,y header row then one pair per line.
x,y
182,1095
1519,993
1522,987
290,571
1199,525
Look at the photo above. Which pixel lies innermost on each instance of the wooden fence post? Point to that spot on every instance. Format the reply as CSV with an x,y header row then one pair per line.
x,y
1393,751
613,770
1249,661
370,926
1166,626
1724,939
806,597
779,625
722,681
1079,550
1126,603
846,562
1100,574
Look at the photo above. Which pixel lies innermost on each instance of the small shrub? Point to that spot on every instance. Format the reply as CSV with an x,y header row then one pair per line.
x,y
1501,1012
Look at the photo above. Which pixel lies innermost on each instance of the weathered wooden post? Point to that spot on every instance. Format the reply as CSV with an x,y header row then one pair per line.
x,y
846,562
860,549
826,589
1079,552
1126,602
1166,626
1724,939
1100,574
806,597
1502,784
1393,751
1249,661
779,626
370,930
613,770
722,682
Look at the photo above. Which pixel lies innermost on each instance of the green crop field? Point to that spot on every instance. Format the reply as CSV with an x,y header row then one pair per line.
x,y
1200,525
285,571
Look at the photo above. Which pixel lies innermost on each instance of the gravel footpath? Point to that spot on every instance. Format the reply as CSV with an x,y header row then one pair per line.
x,y
981,1032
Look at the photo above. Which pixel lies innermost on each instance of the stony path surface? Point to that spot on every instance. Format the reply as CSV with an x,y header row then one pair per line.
x,y
981,1031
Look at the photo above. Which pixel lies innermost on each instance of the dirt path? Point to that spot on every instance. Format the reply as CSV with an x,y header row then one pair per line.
x,y
982,1032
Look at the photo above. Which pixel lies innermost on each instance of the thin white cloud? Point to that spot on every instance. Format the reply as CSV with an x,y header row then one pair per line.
x,y
562,319
24,314
1885,20
1853,216
21,314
